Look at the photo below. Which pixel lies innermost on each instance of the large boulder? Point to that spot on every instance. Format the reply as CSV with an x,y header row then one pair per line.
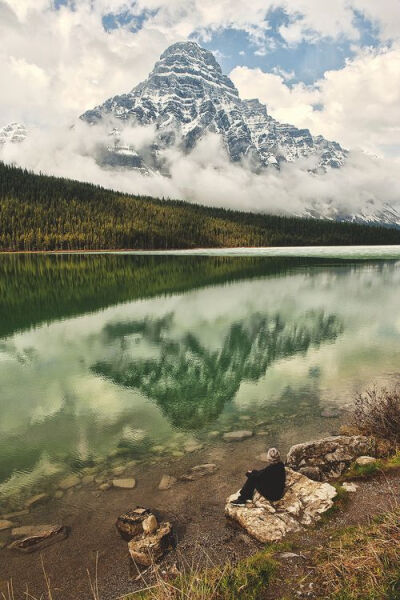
x,y
148,549
329,457
303,503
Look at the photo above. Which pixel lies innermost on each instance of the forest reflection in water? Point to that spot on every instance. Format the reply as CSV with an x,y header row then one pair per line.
x,y
132,357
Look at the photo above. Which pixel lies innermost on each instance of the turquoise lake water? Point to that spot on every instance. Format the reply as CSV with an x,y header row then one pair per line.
x,y
121,357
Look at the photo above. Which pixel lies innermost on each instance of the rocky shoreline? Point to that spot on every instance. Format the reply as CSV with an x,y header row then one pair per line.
x,y
309,495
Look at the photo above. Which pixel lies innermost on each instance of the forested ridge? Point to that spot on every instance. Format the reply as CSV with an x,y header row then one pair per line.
x,y
39,212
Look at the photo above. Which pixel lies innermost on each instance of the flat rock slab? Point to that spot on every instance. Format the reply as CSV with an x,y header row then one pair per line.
x,y
127,484
48,535
237,436
303,504
329,457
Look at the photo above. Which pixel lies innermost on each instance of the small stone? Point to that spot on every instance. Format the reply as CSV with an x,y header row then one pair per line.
x,y
59,494
35,500
289,555
192,446
130,524
330,412
150,525
147,550
5,524
244,418
105,486
261,433
86,479
213,434
69,482
350,487
127,484
118,470
167,481
237,436
177,454
158,449
362,461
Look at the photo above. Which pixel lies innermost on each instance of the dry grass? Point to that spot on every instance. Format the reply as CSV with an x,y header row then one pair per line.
x,y
244,580
362,563
377,413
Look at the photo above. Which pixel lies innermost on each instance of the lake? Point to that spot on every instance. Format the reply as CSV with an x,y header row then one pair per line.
x,y
114,360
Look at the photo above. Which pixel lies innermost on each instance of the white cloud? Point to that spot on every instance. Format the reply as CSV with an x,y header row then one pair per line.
x,y
57,63
358,106
206,176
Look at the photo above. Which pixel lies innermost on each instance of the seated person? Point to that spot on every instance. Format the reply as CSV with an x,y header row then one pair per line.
x,y
269,482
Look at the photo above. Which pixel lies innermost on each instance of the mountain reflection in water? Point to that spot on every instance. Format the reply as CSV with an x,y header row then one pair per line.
x,y
190,382
125,356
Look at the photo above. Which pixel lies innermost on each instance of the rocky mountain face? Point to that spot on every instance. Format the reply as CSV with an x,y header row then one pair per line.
x,y
187,95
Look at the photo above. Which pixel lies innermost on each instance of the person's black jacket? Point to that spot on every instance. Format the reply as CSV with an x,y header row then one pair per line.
x,y
270,482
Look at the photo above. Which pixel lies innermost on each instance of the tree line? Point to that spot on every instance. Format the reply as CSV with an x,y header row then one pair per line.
x,y
39,212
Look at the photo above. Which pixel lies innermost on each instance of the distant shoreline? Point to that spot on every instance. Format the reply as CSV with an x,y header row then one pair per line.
x,y
384,251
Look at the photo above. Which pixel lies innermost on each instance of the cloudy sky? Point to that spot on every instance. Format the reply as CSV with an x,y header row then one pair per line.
x,y
332,67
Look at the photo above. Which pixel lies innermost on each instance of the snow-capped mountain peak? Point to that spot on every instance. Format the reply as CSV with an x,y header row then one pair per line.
x,y
186,95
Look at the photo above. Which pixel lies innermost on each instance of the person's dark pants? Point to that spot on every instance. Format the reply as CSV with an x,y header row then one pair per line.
x,y
247,491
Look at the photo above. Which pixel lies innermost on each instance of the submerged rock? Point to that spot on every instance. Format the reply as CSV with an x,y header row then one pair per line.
x,y
127,484
303,503
38,537
148,549
35,500
328,457
69,482
6,524
330,412
15,515
167,481
237,436
199,471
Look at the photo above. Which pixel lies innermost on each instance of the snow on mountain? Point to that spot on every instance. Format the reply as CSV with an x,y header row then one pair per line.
x,y
13,133
187,95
